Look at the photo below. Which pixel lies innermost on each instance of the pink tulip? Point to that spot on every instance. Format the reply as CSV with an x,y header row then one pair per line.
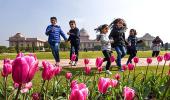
x,y
16,85
114,83
136,60
26,87
20,55
36,96
87,69
73,83
79,92
99,62
159,58
68,75
103,84
167,56
57,70
7,68
128,93
149,60
112,58
130,66
124,67
24,69
48,70
86,61
73,57
99,69
117,76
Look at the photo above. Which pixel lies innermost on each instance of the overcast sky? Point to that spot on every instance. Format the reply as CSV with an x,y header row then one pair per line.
x,y
31,17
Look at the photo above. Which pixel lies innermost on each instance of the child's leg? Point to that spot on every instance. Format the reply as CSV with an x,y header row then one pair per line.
x,y
107,55
123,50
76,51
55,51
119,53
153,54
71,51
157,53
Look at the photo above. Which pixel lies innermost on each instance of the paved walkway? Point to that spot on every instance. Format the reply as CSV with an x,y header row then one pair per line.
x,y
64,62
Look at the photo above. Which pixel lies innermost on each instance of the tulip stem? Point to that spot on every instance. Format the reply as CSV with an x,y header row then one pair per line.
x,y
5,90
163,69
134,75
167,87
157,68
128,76
19,88
46,92
42,86
146,72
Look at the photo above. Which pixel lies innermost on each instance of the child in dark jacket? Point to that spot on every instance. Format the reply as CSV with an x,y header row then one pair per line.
x,y
132,45
53,32
118,28
74,39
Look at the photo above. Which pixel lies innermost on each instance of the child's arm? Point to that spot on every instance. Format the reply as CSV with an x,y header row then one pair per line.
x,y
48,30
103,40
63,34
77,33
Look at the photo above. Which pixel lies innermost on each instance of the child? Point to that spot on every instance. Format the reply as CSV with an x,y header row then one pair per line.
x,y
132,44
74,39
105,45
53,32
118,28
156,46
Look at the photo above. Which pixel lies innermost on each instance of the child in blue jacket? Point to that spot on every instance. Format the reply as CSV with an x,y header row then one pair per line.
x,y
53,32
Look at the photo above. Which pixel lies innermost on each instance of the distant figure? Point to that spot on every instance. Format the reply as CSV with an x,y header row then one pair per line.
x,y
132,45
53,32
74,38
105,45
118,28
156,46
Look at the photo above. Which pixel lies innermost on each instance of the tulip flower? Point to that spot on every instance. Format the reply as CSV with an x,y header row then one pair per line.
x,y
25,66
117,76
130,66
36,96
57,70
73,83
48,71
103,85
79,92
87,69
73,57
99,69
167,56
7,68
26,87
112,58
149,60
99,62
159,59
135,60
128,93
124,67
68,75
86,61
114,83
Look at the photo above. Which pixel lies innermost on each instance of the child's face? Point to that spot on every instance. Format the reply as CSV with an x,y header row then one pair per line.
x,y
105,30
120,24
132,32
72,25
53,21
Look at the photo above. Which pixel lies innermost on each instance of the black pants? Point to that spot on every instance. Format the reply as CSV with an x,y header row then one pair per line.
x,y
107,55
132,54
74,49
155,53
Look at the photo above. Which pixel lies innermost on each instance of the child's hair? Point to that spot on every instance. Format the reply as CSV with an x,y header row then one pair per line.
x,y
72,21
135,33
100,28
116,21
53,18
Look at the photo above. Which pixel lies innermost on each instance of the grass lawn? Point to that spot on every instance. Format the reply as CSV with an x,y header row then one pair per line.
x,y
37,80
65,55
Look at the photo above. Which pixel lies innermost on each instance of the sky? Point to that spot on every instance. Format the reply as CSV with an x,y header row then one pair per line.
x,y
31,17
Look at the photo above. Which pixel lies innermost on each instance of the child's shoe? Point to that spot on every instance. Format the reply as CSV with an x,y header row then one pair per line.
x,y
108,72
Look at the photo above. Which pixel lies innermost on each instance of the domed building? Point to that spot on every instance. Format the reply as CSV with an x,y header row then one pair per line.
x,y
20,40
85,42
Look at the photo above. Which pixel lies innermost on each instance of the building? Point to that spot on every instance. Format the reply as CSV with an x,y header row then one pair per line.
x,y
147,38
85,42
22,41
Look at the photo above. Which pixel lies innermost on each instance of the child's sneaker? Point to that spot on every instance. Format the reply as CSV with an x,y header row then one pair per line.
x,y
75,63
108,72
70,62
121,70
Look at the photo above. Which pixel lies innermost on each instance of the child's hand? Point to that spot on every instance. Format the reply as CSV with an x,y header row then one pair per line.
x,y
68,33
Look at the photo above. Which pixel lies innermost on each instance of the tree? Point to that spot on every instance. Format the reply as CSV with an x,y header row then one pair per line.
x,y
3,49
65,45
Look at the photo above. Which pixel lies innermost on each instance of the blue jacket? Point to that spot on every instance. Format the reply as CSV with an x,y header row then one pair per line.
x,y
53,33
